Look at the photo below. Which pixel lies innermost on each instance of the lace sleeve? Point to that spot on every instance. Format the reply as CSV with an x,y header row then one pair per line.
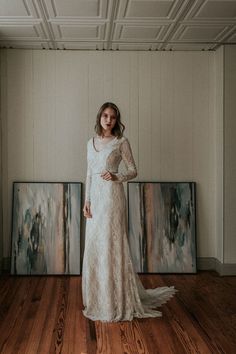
x,y
88,180
127,157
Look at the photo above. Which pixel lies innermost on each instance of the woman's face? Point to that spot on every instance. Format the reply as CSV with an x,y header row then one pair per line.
x,y
108,120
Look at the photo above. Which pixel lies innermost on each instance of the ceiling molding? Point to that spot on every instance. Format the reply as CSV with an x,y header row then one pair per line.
x,y
117,24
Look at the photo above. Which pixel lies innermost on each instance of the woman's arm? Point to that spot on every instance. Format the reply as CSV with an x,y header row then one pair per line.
x,y
127,157
86,208
87,186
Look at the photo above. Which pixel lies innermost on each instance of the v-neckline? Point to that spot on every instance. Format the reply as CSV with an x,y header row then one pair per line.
x,y
104,146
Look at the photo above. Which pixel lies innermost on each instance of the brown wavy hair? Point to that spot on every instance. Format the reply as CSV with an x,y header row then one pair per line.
x,y
118,128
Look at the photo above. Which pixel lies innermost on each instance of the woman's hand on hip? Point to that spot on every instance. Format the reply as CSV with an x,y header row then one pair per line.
x,y
87,209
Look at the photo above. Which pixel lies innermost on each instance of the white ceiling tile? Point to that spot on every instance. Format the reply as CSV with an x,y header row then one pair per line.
x,y
71,8
148,8
13,31
144,32
214,10
21,32
138,32
76,8
200,32
79,31
155,9
14,8
18,10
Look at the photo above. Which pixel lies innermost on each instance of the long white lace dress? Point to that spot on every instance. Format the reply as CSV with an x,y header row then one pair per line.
x,y
111,289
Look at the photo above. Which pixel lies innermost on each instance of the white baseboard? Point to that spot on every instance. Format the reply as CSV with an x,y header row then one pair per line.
x,y
211,263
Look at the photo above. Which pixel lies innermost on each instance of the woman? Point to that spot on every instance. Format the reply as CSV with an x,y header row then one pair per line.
x,y
111,290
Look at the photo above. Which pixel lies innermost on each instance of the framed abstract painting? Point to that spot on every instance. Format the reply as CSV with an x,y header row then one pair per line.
x,y
162,226
46,220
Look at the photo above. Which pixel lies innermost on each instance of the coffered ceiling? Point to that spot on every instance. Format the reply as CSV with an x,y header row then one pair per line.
x,y
117,24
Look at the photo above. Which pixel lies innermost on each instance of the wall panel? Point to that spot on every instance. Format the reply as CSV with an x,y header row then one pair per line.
x,y
49,106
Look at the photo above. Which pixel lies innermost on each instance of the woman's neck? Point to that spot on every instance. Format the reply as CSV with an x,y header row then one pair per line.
x,y
106,135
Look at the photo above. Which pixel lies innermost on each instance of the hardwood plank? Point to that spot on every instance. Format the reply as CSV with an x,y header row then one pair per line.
x,y
29,315
44,315
48,334
12,326
132,338
206,316
161,337
7,294
39,319
114,334
74,322
103,343
91,337
58,333
159,330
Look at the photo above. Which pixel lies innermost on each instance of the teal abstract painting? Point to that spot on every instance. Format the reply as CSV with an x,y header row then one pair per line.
x,y
46,220
162,226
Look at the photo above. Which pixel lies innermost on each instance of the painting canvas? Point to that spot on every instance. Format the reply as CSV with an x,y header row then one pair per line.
x,y
46,220
162,226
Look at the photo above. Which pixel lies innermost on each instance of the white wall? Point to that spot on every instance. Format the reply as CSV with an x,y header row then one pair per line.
x,y
230,155
2,81
167,99
219,150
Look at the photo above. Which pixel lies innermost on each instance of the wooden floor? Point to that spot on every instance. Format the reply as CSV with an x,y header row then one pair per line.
x,y
44,315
